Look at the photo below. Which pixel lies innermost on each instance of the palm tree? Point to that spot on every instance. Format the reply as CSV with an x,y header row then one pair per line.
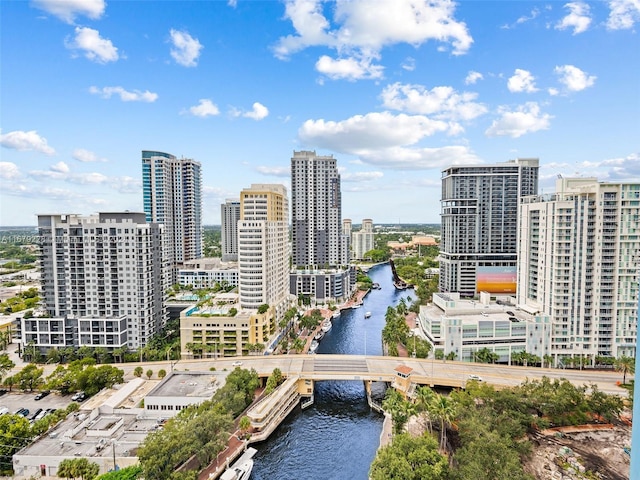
x,y
424,400
444,409
625,365
548,360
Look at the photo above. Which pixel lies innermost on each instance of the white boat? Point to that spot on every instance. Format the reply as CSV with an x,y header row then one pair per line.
x,y
367,315
326,326
314,346
241,470
336,314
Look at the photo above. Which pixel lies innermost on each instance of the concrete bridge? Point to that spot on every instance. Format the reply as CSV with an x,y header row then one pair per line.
x,y
437,373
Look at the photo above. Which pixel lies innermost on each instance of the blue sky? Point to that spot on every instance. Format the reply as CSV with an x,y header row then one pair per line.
x,y
396,90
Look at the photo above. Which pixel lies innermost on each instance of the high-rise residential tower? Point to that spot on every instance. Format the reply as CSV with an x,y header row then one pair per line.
x,y
362,241
102,281
263,247
479,216
172,195
229,216
316,211
578,263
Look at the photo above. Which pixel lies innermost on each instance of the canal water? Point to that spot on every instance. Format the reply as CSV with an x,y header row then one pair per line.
x,y
338,436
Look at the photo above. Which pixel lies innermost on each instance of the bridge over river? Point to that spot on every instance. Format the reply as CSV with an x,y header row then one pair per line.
x,y
424,371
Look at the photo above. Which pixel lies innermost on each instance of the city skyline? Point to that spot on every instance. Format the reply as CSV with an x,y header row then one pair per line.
x,y
239,86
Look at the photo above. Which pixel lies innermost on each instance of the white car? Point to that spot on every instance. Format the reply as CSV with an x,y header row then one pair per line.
x,y
237,363
475,377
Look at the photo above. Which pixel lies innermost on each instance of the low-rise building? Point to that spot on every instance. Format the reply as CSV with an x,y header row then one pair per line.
x,y
325,285
463,327
222,328
207,272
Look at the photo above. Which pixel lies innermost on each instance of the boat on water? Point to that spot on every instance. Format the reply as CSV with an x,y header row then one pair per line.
x,y
336,314
367,315
241,469
326,326
376,286
319,336
314,346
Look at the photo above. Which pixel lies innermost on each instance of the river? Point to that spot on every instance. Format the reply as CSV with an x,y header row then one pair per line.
x,y
338,436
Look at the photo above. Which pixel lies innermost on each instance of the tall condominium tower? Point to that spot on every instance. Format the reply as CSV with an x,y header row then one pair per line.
x,y
229,216
479,216
578,263
362,241
102,281
172,190
316,211
263,247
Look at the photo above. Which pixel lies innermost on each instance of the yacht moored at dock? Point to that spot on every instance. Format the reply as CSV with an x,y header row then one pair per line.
x,y
241,469
326,326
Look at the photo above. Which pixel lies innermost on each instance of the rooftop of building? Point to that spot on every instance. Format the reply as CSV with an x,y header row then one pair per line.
x,y
189,384
209,263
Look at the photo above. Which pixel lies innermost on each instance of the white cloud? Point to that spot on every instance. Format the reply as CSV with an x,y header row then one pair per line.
x,y
125,95
419,158
523,19
361,32
20,140
348,68
95,48
573,78
522,81
553,91
442,102
409,64
473,77
258,112
371,131
60,167
86,156
360,176
284,172
9,171
623,14
526,118
625,169
205,108
578,18
186,49
67,10
232,3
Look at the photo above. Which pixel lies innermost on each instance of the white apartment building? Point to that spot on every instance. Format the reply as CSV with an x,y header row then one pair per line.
x,y
172,195
316,211
578,263
207,271
362,241
229,216
463,327
479,216
102,281
263,247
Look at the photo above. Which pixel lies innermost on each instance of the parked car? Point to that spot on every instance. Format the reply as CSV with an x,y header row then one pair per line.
x,y
23,411
510,313
35,414
79,396
42,414
237,363
3,410
475,377
42,394
3,391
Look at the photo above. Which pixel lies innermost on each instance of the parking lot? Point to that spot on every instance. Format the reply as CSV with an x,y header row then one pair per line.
x,y
14,401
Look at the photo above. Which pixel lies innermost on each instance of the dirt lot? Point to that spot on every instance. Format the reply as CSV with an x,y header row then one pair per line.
x,y
571,455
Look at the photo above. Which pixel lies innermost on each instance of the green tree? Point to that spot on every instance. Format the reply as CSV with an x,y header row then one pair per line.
x,y
424,399
138,371
149,374
399,409
6,364
484,355
409,458
625,365
133,472
162,373
444,410
30,377
78,468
